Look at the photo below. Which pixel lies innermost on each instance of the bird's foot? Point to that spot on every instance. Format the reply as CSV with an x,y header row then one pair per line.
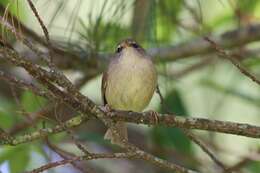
x,y
155,116
106,108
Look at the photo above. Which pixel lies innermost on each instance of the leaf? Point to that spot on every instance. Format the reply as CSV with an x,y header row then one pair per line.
x,y
18,157
19,162
6,114
92,136
174,103
168,137
254,166
31,102
247,6
252,62
166,18
14,7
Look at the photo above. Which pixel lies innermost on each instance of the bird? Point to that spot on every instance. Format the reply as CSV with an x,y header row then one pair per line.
x,y
128,83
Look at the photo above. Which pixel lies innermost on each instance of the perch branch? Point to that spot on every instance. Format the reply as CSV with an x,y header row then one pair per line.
x,y
241,129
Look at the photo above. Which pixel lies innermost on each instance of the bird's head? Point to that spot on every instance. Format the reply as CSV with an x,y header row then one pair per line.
x,y
128,43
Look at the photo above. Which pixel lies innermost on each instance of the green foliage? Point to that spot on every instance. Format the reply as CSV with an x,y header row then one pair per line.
x,y
99,34
222,20
247,6
168,137
252,63
18,157
11,6
166,18
254,166
92,136
14,6
111,32
31,102
6,113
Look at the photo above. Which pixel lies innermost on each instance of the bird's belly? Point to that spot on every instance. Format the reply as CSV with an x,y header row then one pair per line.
x,y
131,89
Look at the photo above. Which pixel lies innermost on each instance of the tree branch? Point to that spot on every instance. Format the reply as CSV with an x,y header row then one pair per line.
x,y
128,155
171,120
204,148
233,60
241,129
198,46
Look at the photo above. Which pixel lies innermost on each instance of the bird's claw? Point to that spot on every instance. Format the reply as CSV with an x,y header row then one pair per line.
x,y
106,108
155,116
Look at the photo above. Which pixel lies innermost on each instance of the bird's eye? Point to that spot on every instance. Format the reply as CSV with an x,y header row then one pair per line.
x,y
135,45
119,49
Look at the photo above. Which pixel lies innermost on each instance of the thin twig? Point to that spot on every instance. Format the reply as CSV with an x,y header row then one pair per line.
x,y
66,155
24,85
204,148
242,163
45,30
129,155
233,60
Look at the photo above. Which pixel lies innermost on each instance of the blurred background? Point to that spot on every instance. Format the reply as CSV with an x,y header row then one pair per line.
x,y
195,83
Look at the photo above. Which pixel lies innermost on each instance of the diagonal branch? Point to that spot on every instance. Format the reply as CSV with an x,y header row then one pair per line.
x,y
233,60
67,155
205,148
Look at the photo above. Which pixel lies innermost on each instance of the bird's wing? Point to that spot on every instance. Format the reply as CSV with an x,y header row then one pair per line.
x,y
113,60
104,86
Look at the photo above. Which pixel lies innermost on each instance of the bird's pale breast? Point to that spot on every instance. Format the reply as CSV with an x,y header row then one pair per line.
x,y
131,83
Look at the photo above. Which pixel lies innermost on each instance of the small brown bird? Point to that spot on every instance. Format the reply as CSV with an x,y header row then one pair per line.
x,y
129,82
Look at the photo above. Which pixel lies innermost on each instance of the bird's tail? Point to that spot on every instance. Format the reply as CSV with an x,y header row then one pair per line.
x,y
121,129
